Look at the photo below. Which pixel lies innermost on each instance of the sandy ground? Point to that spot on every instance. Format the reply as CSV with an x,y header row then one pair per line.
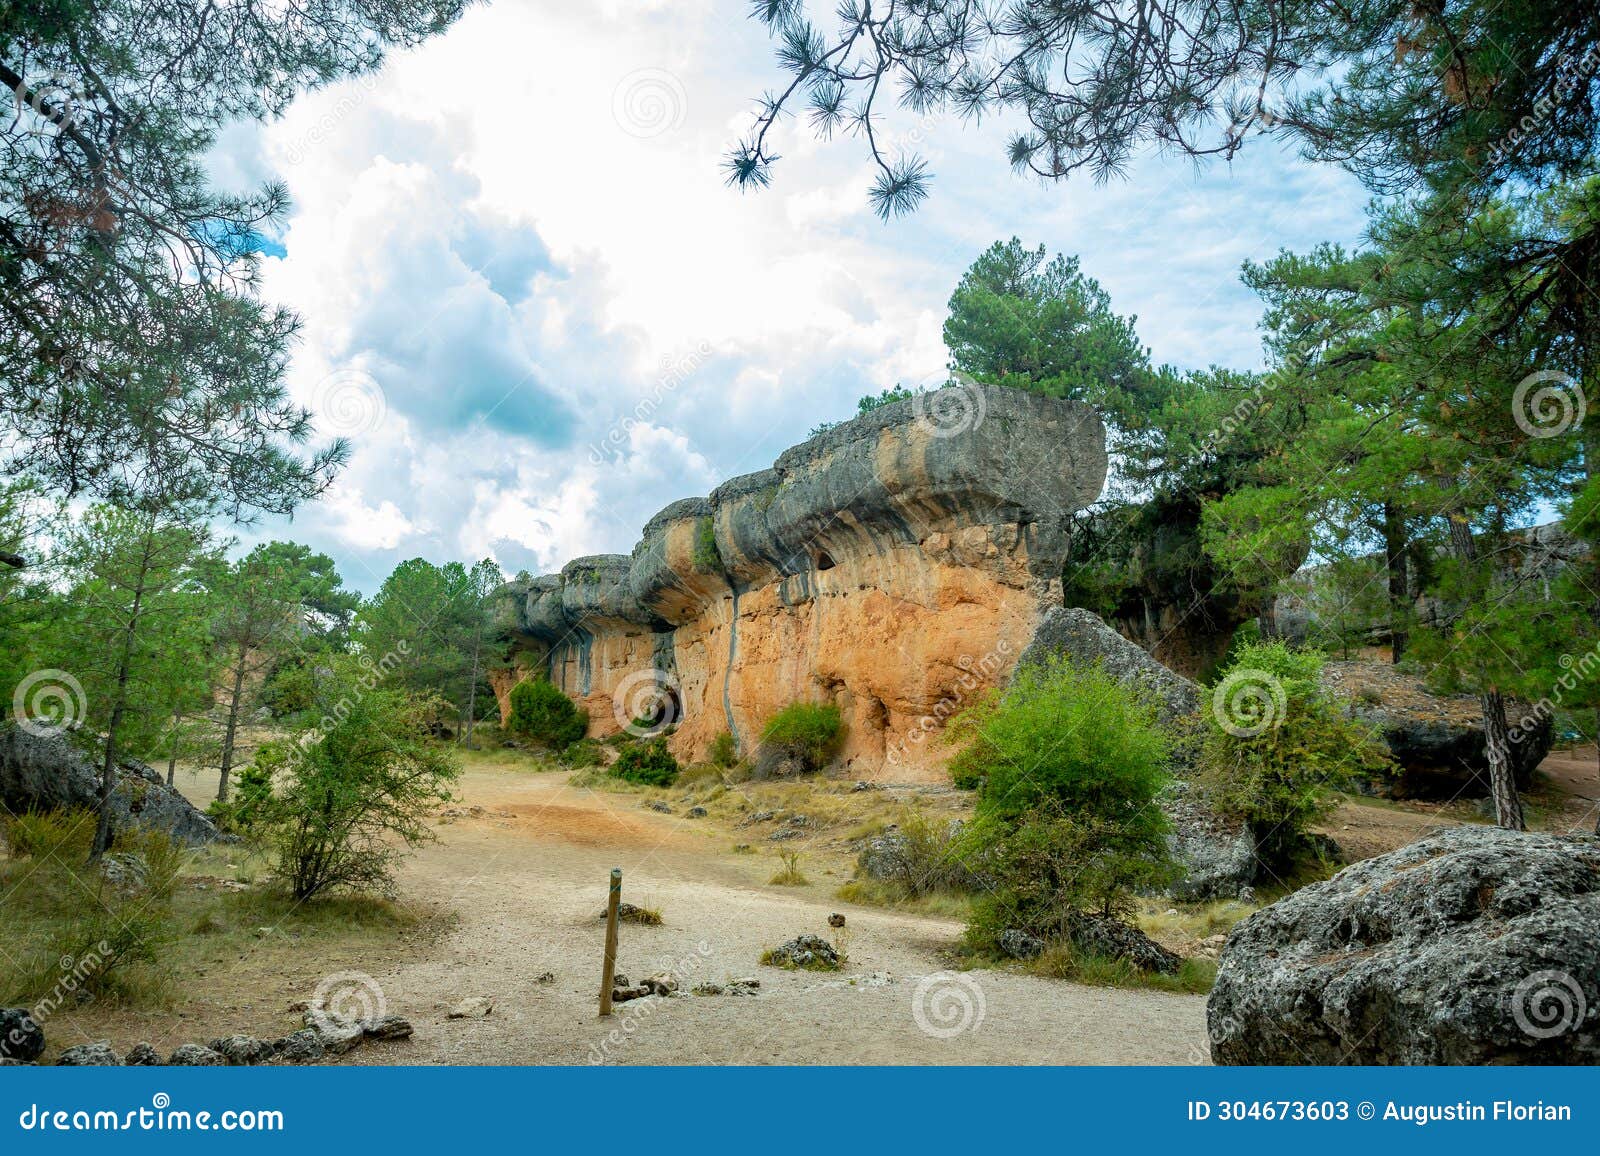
x,y
528,880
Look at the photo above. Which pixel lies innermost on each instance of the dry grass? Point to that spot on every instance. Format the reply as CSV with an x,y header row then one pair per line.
x,y
790,874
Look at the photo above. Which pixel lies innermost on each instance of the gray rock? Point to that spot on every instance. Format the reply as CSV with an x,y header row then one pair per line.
x,y
388,1028
1111,938
300,1047
808,951
1475,945
1018,944
471,1008
1218,854
20,1037
1084,639
696,812
195,1056
51,773
658,805
126,871
142,1056
242,1051
95,1055
339,1036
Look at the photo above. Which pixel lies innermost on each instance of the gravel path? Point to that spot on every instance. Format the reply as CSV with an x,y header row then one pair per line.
x,y
528,879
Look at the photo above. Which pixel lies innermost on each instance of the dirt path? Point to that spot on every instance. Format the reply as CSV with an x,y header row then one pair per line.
x,y
528,881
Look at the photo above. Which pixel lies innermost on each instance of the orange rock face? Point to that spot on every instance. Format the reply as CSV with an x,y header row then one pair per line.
x,y
896,566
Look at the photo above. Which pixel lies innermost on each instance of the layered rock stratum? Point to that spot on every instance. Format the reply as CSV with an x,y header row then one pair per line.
x,y
896,565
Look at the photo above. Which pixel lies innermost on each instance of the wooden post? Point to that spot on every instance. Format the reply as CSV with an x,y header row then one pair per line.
x,y
609,970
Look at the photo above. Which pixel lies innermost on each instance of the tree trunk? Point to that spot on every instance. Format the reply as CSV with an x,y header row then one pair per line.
x,y
172,754
233,726
1496,731
1394,556
119,704
472,685
1502,778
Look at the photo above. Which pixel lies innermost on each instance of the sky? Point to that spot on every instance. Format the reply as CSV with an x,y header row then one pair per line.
x,y
539,314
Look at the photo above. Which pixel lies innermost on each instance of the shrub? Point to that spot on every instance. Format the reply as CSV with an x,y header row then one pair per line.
x,y
648,764
1070,762
929,857
1277,746
1068,735
724,751
800,738
358,793
582,754
252,796
541,714
63,835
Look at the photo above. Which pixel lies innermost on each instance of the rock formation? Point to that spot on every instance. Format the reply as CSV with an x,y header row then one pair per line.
x,y
45,773
896,564
1436,740
1473,946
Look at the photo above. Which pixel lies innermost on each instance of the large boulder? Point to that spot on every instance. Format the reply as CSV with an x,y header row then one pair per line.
x,y
1084,638
49,772
1218,854
1475,945
1436,740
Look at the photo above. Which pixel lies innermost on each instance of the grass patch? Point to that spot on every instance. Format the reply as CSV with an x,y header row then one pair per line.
x,y
886,893
1063,961
790,874
638,914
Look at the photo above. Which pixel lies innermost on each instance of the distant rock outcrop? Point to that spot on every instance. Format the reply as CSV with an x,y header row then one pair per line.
x,y
1436,740
895,565
47,772
1473,946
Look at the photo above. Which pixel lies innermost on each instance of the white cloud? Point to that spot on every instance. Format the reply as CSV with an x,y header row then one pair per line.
x,y
513,267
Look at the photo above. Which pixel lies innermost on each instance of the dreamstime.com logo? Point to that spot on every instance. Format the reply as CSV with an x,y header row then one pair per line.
x,y
350,401
49,702
1548,1004
948,1003
160,1116
346,998
1547,404
954,410
1248,703
649,102
645,702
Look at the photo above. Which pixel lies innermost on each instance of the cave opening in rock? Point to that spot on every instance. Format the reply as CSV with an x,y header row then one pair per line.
x,y
665,711
824,560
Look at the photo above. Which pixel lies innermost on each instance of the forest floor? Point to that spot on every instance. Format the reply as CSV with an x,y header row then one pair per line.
x,y
506,906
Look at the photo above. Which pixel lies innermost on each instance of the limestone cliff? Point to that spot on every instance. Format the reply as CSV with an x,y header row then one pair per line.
x,y
896,564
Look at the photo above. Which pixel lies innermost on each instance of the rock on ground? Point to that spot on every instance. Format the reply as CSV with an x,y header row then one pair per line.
x,y
1472,946
95,1055
20,1037
242,1051
300,1047
142,1056
804,951
195,1056
50,773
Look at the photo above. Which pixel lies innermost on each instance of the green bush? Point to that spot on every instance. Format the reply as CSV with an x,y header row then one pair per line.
x,y
582,754
1278,746
541,714
724,751
648,764
63,835
354,796
803,737
252,795
1068,735
1070,761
